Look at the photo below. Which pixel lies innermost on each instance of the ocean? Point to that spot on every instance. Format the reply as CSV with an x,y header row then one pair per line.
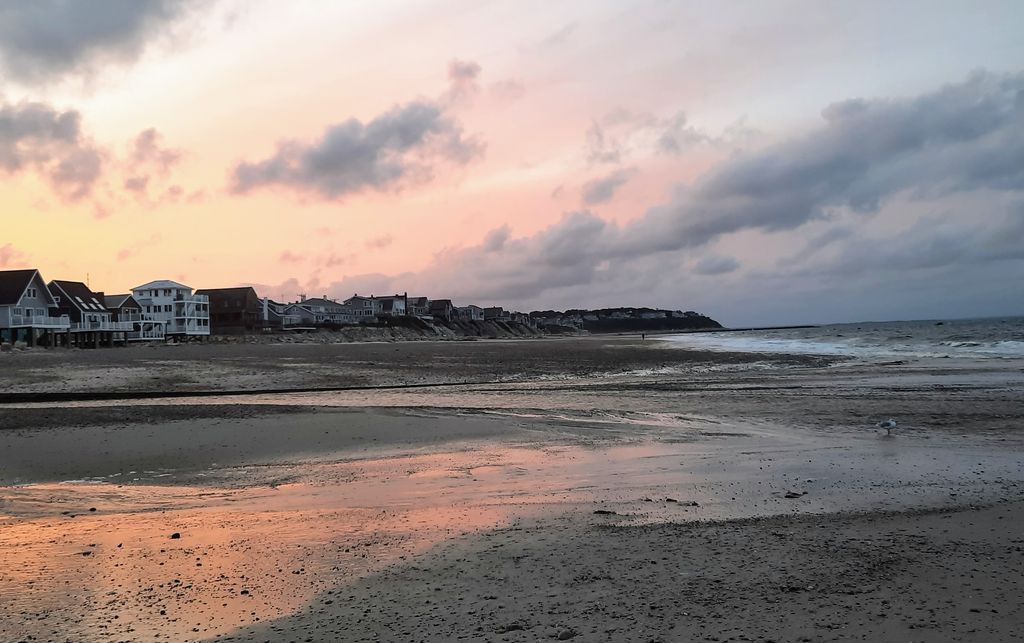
x,y
993,338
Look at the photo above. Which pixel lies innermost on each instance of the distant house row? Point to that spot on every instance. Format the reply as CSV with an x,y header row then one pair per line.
x,y
241,310
69,313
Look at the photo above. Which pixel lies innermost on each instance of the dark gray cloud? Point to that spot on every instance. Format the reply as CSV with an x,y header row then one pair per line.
x,y
603,190
36,136
962,143
394,149
716,265
41,40
962,137
495,239
933,242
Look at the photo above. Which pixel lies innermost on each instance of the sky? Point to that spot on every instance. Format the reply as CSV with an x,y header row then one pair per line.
x,y
761,162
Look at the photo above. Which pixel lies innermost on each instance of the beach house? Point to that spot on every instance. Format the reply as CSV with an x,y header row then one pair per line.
x,y
92,324
469,313
393,305
417,306
184,314
124,308
234,311
28,311
365,309
441,309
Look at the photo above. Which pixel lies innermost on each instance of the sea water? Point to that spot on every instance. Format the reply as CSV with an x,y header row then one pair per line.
x,y
969,338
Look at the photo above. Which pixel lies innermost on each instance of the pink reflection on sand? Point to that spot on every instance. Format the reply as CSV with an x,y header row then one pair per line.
x,y
244,555
252,553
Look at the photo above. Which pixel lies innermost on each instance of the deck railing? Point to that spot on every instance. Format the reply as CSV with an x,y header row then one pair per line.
x,y
104,325
154,333
41,321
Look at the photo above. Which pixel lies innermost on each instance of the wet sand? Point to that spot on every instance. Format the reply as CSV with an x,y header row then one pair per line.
x,y
739,498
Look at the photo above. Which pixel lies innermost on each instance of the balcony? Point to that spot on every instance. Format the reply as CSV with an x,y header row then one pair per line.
x,y
143,317
40,321
192,299
150,334
103,326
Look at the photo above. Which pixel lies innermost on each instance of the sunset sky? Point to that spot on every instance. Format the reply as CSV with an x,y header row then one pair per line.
x,y
762,162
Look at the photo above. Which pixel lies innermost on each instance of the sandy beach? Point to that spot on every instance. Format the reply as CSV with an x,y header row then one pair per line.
x,y
599,488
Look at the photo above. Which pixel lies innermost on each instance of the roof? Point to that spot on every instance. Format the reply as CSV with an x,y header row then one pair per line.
x,y
440,304
116,301
79,295
161,283
320,301
13,284
237,290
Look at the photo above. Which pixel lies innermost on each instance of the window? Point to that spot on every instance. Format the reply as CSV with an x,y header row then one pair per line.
x,y
167,308
56,299
17,311
32,292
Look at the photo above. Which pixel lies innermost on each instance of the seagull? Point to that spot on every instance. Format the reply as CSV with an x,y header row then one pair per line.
x,y
888,425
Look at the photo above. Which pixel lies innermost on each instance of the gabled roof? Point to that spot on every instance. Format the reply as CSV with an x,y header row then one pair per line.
x,y
161,283
78,295
13,284
320,301
117,301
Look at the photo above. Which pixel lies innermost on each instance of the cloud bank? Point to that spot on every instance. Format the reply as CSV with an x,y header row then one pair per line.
x,y
958,149
39,137
44,40
395,149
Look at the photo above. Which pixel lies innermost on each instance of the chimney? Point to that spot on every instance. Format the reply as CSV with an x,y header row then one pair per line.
x,y
266,309
302,298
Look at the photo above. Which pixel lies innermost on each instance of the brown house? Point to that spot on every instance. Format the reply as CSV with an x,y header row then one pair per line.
x,y
234,311
123,307
441,309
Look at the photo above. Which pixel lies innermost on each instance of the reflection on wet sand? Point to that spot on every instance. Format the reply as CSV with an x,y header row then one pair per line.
x,y
254,553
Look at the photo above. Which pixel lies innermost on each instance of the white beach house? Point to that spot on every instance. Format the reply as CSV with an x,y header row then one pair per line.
x,y
183,313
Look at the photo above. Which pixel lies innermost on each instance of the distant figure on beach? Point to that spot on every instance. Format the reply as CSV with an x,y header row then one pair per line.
x,y
643,337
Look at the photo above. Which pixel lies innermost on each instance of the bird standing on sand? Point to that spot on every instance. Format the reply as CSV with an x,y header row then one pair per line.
x,y
888,425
